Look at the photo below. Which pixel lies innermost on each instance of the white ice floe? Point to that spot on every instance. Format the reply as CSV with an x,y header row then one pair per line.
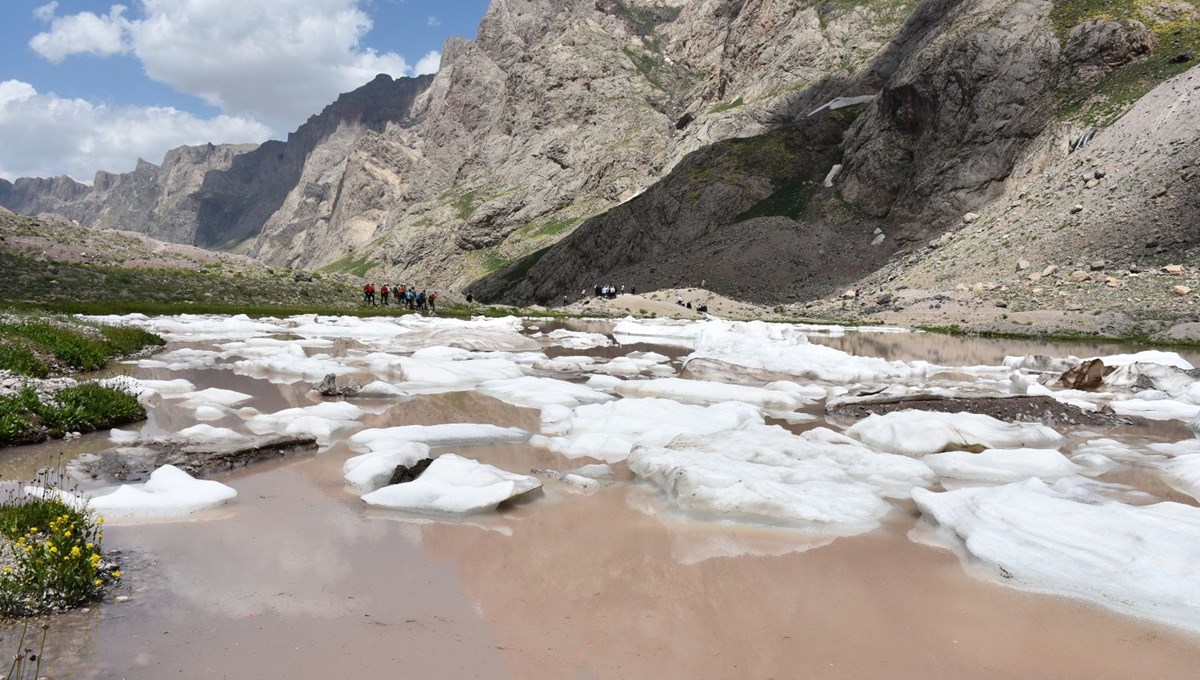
x,y
915,433
213,396
290,363
1144,405
371,471
609,431
320,420
1140,560
1114,450
781,348
170,492
182,359
447,434
441,369
819,479
534,392
702,392
207,433
665,332
566,364
577,339
453,485
1148,357
380,389
1183,474
195,327
148,390
1002,465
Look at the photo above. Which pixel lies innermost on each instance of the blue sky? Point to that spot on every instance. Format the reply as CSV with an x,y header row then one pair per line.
x,y
88,85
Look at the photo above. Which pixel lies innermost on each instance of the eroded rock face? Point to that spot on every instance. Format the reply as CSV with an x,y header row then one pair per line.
x,y
957,114
1096,47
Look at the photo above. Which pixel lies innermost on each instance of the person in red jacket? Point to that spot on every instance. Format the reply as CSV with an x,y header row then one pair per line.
x,y
383,294
433,304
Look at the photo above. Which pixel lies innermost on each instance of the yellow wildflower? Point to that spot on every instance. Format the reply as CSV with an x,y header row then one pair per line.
x,y
98,583
94,559
33,530
76,552
67,533
89,546
100,522
8,570
116,574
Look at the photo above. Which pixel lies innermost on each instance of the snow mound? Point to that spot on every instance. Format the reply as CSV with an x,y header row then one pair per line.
x,y
1002,465
443,369
915,433
148,390
170,492
534,392
1139,560
448,434
609,431
453,485
371,471
577,339
207,433
818,479
213,396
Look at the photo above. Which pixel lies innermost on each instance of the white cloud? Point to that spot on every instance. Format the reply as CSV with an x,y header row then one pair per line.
x,y
46,11
83,33
279,61
433,21
430,63
43,135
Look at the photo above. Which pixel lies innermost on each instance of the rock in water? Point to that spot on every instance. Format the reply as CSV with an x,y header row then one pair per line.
x,y
1087,376
407,473
329,388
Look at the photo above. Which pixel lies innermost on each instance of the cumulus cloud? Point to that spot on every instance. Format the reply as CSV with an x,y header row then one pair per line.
x,y
278,61
430,63
83,33
43,135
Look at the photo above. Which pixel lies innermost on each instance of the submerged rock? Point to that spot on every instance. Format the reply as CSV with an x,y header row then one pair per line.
x,y
1017,408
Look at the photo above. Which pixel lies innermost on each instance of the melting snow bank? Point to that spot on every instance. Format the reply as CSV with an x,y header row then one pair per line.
x,y
914,433
448,434
1139,560
453,485
818,479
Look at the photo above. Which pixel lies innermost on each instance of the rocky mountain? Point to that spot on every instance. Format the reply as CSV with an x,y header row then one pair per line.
x,y
774,149
975,97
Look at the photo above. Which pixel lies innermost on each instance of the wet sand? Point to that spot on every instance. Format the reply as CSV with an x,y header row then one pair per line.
x,y
300,579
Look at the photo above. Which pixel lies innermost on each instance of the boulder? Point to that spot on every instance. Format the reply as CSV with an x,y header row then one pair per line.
x,y
1173,269
1096,47
1080,276
1180,290
1087,376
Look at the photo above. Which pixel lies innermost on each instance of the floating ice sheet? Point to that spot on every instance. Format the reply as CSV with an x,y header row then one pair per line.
x,y
1183,473
915,433
148,390
447,434
702,392
577,339
170,492
818,479
453,485
320,420
1002,465
609,431
1140,560
534,392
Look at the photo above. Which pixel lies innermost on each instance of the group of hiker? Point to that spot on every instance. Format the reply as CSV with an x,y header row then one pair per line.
x,y
402,295
610,292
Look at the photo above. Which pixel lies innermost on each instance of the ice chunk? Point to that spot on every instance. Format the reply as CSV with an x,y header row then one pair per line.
x,y
209,413
448,434
1183,473
454,485
1156,409
427,371
320,420
380,389
213,396
1002,465
915,433
372,470
1148,357
207,433
538,392
170,492
819,479
701,392
1139,560
609,431
630,331
193,327
148,390
569,364
780,348
290,364
577,339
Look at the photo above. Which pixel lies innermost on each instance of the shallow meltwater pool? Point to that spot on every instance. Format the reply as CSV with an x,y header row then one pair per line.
x,y
736,532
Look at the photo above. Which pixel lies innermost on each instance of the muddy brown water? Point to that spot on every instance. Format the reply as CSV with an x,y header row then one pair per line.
x,y
299,579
